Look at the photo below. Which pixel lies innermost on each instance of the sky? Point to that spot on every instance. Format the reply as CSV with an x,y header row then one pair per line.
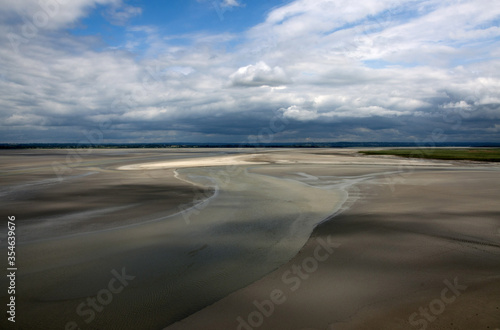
x,y
118,71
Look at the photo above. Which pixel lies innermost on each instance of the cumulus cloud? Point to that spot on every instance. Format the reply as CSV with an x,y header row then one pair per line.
x,y
391,70
457,105
259,74
297,113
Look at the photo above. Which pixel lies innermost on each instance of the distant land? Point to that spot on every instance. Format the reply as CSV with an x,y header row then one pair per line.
x,y
247,145
482,154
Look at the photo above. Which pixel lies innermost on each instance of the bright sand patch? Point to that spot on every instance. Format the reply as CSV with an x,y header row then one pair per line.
x,y
194,162
283,158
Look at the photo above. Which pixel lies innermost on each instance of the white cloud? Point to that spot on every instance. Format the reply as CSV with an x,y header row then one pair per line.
x,y
259,74
230,3
25,120
457,105
61,81
297,113
121,15
49,14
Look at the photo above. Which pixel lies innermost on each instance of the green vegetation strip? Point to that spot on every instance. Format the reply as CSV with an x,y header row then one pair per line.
x,y
477,154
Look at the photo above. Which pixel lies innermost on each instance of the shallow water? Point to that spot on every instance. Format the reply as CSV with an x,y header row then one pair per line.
x,y
179,262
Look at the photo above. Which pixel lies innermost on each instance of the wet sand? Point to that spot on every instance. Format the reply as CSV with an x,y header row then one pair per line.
x,y
227,228
184,252
403,237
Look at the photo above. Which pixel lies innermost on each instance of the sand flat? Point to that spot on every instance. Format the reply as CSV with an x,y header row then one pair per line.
x,y
283,157
241,228
207,228
397,245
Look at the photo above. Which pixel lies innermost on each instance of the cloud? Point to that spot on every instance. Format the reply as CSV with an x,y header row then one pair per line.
x,y
338,70
297,113
121,15
259,74
230,3
47,15
457,105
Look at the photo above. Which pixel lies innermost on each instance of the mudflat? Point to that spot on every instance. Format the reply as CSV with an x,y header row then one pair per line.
x,y
416,248
244,239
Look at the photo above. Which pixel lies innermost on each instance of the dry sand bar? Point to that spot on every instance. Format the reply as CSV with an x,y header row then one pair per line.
x,y
270,239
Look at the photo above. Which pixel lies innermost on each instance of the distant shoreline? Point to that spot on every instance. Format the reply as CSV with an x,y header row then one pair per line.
x,y
86,145
471,154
